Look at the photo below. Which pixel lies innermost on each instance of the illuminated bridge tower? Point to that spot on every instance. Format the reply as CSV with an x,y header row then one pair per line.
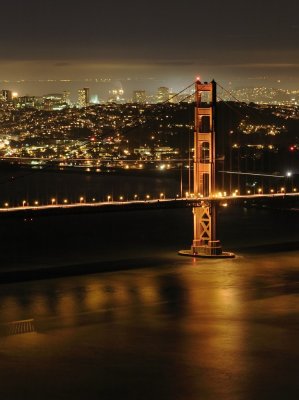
x,y
205,243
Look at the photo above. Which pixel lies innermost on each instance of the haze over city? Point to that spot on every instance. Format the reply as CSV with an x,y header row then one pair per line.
x,y
143,46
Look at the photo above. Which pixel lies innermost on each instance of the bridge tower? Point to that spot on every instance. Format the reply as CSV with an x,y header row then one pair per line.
x,y
205,243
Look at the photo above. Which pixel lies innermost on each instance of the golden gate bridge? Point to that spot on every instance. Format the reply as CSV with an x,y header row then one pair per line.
x,y
204,197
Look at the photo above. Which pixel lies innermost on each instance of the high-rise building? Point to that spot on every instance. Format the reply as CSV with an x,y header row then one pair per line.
x,y
83,97
117,96
66,97
162,94
139,96
6,95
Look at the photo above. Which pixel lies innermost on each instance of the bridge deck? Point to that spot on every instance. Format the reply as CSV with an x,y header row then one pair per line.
x,y
135,204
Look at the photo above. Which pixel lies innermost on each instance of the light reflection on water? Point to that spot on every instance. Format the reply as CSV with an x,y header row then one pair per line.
x,y
187,329
169,328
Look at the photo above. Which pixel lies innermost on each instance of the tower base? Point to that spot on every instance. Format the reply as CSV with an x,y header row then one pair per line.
x,y
211,250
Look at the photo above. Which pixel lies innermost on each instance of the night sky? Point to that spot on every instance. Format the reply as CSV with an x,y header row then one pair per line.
x,y
233,40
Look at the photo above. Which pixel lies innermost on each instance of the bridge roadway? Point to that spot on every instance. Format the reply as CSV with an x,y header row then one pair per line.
x,y
109,206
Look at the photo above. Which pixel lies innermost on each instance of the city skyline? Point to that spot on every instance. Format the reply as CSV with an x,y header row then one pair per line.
x,y
242,43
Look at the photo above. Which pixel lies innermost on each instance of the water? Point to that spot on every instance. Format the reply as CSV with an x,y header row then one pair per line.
x,y
42,186
155,325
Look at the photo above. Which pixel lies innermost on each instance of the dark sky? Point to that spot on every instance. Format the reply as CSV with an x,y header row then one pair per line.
x,y
230,39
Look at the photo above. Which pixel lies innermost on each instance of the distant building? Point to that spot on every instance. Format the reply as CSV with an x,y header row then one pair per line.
x,y
116,96
139,96
29,102
162,94
54,101
6,95
66,97
83,97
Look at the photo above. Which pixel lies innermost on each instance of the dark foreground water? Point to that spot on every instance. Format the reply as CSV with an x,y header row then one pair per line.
x,y
157,326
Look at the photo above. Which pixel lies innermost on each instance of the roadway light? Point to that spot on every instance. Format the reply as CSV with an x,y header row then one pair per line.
x,y
294,189
121,198
36,203
53,201
248,191
260,190
81,199
282,189
65,201
271,190
108,198
161,195
289,174
93,199
148,196
135,196
24,203
6,204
